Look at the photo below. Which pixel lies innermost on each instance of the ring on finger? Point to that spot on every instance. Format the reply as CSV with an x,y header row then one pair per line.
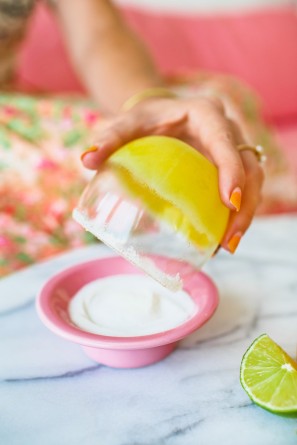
x,y
256,149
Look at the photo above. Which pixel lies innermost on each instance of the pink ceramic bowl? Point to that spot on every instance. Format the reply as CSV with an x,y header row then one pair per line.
x,y
120,352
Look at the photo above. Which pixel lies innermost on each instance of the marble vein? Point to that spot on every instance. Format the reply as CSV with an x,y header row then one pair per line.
x,y
52,394
66,375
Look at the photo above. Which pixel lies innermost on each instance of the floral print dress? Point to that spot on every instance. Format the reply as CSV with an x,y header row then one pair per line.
x,y
41,176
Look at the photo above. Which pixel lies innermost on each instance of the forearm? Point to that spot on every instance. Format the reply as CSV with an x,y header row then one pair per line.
x,y
111,61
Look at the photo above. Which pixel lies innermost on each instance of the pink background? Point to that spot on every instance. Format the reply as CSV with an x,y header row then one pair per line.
x,y
260,47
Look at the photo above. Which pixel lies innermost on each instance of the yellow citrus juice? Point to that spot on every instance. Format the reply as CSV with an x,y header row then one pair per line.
x,y
176,184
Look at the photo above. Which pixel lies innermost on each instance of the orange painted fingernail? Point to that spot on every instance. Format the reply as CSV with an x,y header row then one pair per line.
x,y
88,150
234,241
235,198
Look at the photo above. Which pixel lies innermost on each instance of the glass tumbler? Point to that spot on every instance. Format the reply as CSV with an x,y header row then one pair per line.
x,y
156,202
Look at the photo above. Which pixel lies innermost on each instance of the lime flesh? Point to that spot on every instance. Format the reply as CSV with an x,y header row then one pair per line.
x,y
269,376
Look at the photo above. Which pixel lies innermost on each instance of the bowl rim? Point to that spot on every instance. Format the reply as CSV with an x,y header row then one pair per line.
x,y
70,332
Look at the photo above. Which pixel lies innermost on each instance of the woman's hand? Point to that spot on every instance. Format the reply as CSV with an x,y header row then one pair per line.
x,y
202,123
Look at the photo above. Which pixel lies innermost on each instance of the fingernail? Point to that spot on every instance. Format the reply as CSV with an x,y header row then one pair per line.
x,y
235,198
89,150
216,251
234,241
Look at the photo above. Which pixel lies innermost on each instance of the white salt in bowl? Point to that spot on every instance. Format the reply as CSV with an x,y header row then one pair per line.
x,y
121,352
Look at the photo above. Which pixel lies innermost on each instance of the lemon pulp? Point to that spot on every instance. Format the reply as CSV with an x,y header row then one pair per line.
x,y
176,184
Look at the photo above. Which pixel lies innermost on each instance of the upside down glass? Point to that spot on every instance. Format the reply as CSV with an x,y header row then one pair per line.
x,y
156,202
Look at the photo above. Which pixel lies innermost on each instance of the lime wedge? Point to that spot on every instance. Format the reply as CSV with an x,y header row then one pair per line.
x,y
269,376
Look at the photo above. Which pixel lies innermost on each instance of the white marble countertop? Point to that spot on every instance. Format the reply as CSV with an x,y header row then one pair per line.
x,y
52,394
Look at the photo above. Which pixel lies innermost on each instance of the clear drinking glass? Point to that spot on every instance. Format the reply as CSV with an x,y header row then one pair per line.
x,y
151,239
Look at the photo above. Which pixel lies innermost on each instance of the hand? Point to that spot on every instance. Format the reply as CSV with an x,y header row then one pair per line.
x,y
202,123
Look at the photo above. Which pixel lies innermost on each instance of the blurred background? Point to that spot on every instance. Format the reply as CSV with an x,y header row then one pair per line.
x,y
246,50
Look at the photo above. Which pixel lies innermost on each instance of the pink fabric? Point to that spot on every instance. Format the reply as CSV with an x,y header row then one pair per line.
x,y
259,47
43,63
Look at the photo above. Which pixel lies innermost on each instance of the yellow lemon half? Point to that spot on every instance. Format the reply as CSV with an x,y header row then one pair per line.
x,y
176,184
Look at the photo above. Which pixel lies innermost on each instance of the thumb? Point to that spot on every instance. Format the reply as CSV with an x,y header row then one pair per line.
x,y
115,133
127,127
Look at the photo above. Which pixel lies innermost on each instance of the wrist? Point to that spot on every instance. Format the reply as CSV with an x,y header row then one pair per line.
x,y
148,94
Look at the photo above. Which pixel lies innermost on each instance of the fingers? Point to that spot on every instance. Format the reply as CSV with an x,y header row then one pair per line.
x,y
240,174
204,125
127,127
239,222
219,137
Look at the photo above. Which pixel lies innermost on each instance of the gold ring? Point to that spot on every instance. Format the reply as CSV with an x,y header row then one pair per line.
x,y
256,149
